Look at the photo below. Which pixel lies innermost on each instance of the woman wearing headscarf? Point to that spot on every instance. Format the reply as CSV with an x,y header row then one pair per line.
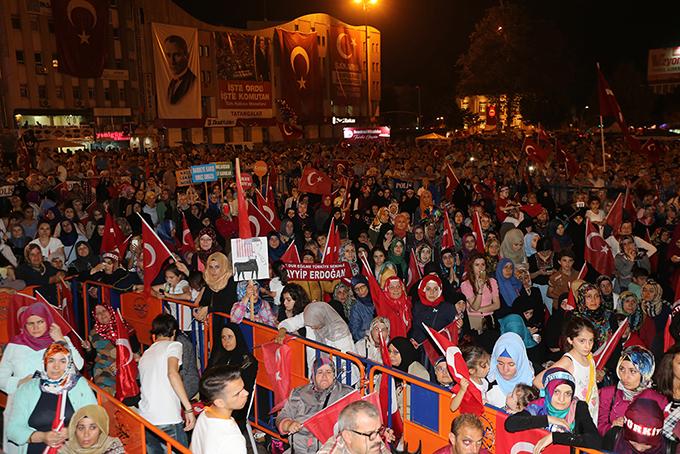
x,y
287,231
508,285
382,268
69,236
219,293
376,229
629,308
424,255
369,346
38,401
167,232
509,366
396,255
531,240
469,248
88,433
23,354
207,246
109,272
97,236
404,358
232,350
589,306
429,308
564,416
561,240
481,292
514,323
250,304
512,246
656,311
348,254
385,236
85,260
493,255
391,301
643,431
276,247
343,300
635,370
323,390
362,312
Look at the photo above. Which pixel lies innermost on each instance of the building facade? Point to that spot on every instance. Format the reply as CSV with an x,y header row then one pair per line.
x,y
124,101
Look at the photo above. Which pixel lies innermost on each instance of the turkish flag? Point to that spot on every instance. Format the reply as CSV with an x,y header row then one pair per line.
x,y
188,244
315,181
583,273
535,152
66,303
259,224
602,355
276,360
522,442
597,251
615,216
113,239
243,220
609,106
452,182
81,32
322,423
413,273
290,132
491,117
652,149
477,232
126,366
331,253
300,73
571,165
268,207
629,211
571,299
58,421
291,255
155,254
447,234
458,369
451,332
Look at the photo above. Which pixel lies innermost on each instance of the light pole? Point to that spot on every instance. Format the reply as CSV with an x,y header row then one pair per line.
x,y
364,5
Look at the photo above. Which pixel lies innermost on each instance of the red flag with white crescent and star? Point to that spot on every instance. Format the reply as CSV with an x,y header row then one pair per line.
x,y
300,73
276,360
188,244
126,366
156,253
452,182
267,207
243,220
597,251
615,216
315,181
478,233
414,274
113,239
81,32
331,253
289,131
447,234
259,224
535,152
291,255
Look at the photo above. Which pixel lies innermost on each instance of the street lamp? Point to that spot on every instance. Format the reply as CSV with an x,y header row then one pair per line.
x,y
364,5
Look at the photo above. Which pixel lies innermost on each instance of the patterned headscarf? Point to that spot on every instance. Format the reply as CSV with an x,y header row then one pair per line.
x,y
67,380
108,331
634,319
643,360
554,377
598,317
653,307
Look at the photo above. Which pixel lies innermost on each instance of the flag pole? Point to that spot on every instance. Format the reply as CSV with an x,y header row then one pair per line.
x,y
604,159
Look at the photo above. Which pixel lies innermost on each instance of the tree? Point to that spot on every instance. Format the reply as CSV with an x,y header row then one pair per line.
x,y
517,54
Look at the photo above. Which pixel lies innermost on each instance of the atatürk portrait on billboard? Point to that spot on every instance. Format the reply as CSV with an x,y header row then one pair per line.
x,y
177,54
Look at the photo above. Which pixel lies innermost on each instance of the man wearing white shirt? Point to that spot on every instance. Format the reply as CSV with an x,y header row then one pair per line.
x,y
222,387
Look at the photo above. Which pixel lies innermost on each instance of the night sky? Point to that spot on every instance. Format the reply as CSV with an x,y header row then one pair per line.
x,y
422,39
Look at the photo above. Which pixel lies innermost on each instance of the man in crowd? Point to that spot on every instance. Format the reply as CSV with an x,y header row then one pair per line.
x,y
466,437
359,432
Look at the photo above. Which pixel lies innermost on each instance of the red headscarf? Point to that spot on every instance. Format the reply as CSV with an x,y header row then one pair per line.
x,y
421,290
398,310
108,331
24,338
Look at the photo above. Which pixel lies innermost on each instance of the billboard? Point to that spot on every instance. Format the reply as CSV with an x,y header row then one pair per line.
x,y
244,76
379,132
663,65
178,89
346,50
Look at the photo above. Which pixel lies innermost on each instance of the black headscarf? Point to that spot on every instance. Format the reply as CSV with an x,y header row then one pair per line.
x,y
237,357
406,350
83,264
95,240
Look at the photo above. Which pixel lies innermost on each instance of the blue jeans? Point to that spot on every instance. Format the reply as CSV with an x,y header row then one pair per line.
x,y
154,445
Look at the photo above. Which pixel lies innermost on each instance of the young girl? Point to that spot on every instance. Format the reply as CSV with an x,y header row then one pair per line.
x,y
579,336
519,398
176,287
477,361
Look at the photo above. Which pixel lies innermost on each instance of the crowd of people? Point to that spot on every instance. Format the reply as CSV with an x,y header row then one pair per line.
x,y
507,278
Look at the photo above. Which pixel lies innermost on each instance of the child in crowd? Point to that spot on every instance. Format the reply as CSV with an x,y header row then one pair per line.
x,y
519,398
176,287
477,361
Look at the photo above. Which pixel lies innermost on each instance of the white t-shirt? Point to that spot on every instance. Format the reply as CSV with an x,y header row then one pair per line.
x,y
214,435
159,403
52,246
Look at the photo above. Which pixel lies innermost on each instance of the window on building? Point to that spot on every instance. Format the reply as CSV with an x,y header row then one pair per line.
x,y
90,92
77,94
207,51
23,90
42,91
59,91
34,25
16,22
323,40
318,39
113,3
20,56
107,94
247,133
208,78
38,58
200,51
119,63
33,5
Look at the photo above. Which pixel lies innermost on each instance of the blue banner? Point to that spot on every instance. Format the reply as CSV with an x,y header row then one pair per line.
x,y
205,173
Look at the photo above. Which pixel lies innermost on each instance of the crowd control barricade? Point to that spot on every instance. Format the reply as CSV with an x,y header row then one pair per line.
x,y
255,335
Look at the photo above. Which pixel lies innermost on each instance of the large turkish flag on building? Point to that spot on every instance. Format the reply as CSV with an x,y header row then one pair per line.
x,y
81,30
300,73
346,50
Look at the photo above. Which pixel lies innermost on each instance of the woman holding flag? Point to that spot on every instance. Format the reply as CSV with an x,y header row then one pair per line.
x,y
24,352
45,404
